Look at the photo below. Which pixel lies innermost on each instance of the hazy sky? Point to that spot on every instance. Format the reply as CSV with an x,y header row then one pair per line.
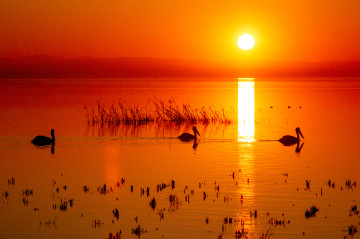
x,y
284,30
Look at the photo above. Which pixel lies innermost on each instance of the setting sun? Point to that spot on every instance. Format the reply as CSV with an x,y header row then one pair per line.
x,y
246,42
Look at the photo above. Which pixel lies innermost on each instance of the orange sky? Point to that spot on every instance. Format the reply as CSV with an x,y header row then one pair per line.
x,y
307,30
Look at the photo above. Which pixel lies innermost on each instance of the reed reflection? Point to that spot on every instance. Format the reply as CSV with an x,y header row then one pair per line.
x,y
245,139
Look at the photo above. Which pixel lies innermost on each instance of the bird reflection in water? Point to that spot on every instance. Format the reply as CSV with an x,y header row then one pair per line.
x,y
298,149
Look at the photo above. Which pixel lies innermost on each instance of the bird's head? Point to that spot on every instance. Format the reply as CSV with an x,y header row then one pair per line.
x,y
196,131
298,131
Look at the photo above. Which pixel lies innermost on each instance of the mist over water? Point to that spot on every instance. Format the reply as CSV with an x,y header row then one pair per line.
x,y
238,180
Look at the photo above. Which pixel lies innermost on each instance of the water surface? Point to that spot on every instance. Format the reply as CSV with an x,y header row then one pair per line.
x,y
235,170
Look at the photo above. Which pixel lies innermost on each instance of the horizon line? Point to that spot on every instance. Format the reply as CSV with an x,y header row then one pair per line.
x,y
44,66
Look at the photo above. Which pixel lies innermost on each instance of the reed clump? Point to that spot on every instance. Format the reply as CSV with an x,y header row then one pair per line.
x,y
156,110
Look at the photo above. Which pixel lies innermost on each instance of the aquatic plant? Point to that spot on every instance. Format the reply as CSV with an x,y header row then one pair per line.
x,y
71,202
25,202
116,213
331,184
161,187
11,181
102,190
6,194
152,203
307,185
27,192
267,234
241,233
228,220
161,214
96,223
63,205
138,231
174,203
117,235
85,189
354,210
312,212
350,184
161,111
277,222
352,230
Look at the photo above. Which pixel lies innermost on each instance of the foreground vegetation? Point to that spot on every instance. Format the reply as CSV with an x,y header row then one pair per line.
x,y
156,110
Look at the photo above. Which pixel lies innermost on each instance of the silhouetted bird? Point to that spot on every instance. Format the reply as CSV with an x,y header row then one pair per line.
x,y
43,140
188,137
288,140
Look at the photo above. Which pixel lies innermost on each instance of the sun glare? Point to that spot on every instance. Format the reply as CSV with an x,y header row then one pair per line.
x,y
246,111
246,42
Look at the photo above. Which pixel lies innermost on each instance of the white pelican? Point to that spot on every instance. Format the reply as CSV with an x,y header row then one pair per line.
x,y
188,137
43,140
288,140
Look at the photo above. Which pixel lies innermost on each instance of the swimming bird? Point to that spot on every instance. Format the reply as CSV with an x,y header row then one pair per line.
x,y
188,137
288,140
43,140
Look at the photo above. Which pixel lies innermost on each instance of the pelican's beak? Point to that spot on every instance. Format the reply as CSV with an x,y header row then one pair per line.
x,y
196,131
301,134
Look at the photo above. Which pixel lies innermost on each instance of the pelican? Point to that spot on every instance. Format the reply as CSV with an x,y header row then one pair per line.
x,y
288,140
188,137
43,140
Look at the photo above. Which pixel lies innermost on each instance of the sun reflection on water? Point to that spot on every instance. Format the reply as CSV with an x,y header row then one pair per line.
x,y
246,111
112,169
245,139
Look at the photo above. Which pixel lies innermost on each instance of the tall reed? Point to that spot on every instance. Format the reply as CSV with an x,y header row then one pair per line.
x,y
161,111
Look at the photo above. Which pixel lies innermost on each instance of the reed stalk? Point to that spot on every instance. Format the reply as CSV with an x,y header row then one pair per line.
x,y
161,111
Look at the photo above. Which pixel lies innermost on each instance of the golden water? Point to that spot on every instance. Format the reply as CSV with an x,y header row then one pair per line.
x,y
240,167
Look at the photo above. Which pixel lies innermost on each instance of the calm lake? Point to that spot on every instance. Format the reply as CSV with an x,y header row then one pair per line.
x,y
141,181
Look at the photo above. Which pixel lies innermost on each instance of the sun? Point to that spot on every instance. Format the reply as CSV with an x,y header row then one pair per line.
x,y
246,42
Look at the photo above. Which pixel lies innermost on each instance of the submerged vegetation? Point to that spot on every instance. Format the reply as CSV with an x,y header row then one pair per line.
x,y
156,110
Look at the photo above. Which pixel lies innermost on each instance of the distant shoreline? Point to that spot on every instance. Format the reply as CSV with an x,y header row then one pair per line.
x,y
138,67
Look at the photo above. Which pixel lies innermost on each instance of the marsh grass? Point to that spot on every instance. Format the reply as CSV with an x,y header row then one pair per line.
x,y
155,110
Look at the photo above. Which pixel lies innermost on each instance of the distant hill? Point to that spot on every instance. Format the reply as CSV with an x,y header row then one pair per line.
x,y
51,67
